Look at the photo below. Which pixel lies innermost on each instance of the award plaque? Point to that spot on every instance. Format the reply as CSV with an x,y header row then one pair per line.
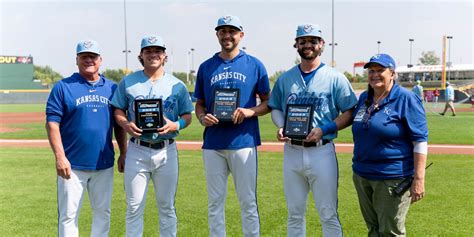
x,y
149,114
298,121
226,101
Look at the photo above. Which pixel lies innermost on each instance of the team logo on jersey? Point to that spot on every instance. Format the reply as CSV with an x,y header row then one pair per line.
x,y
87,44
227,19
308,28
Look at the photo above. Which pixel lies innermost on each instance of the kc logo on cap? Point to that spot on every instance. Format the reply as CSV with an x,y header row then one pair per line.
x,y
227,19
152,39
308,28
87,46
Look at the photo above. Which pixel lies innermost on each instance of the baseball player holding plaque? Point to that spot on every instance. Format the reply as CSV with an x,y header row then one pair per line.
x,y
310,163
151,155
230,146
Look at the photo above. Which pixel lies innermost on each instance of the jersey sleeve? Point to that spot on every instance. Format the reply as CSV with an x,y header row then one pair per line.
x,y
55,105
276,96
185,104
345,96
199,87
263,84
415,118
119,99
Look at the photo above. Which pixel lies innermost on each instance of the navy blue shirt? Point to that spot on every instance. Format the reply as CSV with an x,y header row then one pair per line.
x,y
244,72
383,144
85,119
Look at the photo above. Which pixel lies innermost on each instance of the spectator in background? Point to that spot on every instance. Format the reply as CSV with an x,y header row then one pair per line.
x,y
436,97
418,89
449,97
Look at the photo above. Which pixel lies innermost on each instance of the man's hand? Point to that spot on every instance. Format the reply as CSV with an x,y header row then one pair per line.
x,y
281,137
208,120
131,128
240,114
417,190
169,126
121,163
315,135
63,167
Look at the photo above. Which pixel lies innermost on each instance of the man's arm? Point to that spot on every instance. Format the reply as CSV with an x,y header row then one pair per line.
x,y
121,138
128,126
241,113
417,190
204,118
63,167
342,121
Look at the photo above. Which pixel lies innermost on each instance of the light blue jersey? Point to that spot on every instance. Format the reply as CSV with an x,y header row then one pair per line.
x,y
175,96
328,91
418,90
449,93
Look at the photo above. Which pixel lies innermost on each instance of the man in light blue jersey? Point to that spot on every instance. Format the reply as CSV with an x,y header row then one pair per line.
x,y
449,97
310,163
418,90
230,146
153,154
79,122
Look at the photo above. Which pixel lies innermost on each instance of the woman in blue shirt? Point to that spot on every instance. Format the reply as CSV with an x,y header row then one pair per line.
x,y
390,146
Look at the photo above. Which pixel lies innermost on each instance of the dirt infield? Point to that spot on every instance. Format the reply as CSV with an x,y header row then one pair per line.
x,y
15,118
7,119
267,146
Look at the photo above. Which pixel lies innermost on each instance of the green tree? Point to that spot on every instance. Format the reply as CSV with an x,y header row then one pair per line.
x,y
46,75
429,58
115,74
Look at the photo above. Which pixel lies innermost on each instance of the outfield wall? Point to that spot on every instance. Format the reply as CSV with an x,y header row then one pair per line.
x,y
23,96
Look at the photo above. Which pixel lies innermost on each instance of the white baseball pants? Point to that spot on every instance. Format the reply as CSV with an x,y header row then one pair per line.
x,y
242,163
99,185
311,169
161,166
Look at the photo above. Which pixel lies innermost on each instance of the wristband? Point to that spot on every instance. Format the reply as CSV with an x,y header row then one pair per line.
x,y
181,123
329,128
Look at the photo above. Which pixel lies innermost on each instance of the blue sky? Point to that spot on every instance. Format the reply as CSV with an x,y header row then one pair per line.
x,y
49,30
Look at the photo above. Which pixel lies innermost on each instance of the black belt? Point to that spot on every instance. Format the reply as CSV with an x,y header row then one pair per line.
x,y
157,146
309,144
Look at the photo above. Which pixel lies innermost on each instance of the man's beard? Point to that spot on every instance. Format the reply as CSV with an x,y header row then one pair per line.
x,y
313,55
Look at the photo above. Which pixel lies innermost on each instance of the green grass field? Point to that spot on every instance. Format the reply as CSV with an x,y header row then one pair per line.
x,y
442,130
28,201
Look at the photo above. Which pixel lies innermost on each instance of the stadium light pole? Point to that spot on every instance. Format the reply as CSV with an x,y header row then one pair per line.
x,y
449,56
332,43
192,63
333,63
126,50
411,48
378,46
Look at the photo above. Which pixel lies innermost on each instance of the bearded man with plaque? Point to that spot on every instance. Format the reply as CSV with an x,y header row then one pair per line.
x,y
298,121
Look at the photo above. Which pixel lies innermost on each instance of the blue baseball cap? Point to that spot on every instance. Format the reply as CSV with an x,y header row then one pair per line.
x,y
88,46
153,40
308,30
383,60
229,21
